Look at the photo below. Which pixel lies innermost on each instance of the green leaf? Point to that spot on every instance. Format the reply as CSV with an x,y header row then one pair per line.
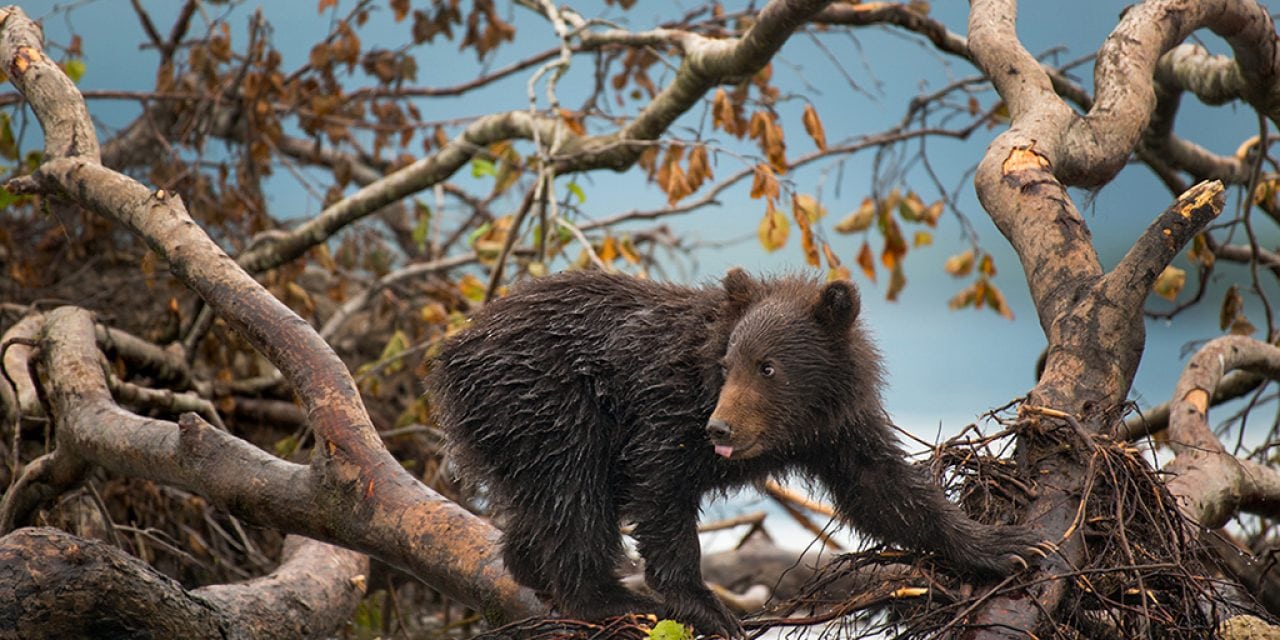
x,y
670,630
577,191
478,233
6,198
8,144
481,168
423,226
74,68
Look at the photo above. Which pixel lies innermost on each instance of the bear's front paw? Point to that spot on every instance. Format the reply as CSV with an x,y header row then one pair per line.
x,y
1004,550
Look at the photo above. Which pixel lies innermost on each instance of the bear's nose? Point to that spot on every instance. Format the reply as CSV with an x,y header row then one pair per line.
x,y
718,430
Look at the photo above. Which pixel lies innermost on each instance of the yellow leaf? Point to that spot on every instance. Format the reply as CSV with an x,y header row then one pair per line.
x,y
608,250
838,273
1170,282
471,287
960,264
773,228
1199,252
859,220
433,313
812,209
987,266
813,126
867,261
922,239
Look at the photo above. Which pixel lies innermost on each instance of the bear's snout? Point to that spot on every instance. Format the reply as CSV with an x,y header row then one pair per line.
x,y
718,430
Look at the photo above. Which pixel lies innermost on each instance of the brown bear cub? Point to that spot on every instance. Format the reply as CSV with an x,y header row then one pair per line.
x,y
584,399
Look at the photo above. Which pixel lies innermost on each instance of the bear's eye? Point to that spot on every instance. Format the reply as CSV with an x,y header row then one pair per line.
x,y
766,369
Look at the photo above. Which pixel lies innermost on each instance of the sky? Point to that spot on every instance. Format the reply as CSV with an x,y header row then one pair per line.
x,y
946,368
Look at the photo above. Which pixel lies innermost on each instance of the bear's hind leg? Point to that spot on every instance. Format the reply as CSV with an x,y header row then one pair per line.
x,y
582,561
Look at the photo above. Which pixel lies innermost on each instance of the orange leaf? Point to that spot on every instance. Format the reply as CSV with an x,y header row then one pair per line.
x,y
832,260
699,168
806,232
895,247
573,121
867,261
813,126
765,183
608,250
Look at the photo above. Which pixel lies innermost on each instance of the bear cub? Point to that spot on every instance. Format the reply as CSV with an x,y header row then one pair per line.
x,y
584,399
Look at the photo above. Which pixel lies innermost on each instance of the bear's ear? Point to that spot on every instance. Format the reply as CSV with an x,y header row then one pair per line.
x,y
742,289
837,306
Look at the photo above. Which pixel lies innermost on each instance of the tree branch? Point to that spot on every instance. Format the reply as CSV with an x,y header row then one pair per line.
x,y
1211,484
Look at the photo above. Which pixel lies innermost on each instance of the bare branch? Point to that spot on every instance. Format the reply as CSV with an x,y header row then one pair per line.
x,y
1212,485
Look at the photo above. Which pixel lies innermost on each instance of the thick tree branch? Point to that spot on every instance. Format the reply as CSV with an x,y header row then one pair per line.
x,y
1098,144
54,585
1211,484
1129,283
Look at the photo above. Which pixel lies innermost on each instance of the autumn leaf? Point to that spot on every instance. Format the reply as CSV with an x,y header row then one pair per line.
x,y
608,250
960,264
860,219
922,239
471,287
996,300
573,121
627,248
987,266
897,282
726,115
1231,309
812,209
966,297
813,126
773,228
895,246
699,168
1199,253
932,213
765,183
1170,282
911,208
801,208
867,261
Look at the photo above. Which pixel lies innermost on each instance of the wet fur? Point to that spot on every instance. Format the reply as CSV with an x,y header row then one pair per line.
x,y
582,399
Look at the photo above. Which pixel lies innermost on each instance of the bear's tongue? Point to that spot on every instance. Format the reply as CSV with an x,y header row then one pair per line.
x,y
724,450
